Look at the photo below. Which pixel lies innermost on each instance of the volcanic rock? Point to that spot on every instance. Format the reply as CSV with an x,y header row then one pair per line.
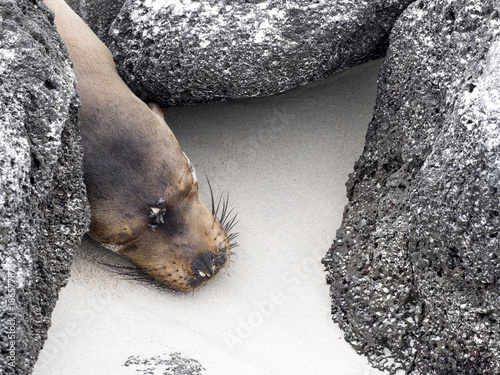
x,y
43,207
414,270
187,51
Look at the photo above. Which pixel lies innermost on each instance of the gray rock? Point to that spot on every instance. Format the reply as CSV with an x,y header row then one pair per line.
x,y
186,51
98,14
414,270
43,208
167,363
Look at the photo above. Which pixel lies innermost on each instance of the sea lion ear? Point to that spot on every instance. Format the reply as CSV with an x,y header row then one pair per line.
x,y
112,234
157,110
124,235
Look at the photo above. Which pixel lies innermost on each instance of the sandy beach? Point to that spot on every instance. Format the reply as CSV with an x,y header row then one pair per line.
x,y
284,161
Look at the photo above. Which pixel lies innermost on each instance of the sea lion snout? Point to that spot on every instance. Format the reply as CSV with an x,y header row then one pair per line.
x,y
206,265
203,264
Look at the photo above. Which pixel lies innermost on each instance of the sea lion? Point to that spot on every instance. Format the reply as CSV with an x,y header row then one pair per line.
x,y
143,193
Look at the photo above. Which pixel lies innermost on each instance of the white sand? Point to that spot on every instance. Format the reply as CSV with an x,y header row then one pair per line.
x,y
284,160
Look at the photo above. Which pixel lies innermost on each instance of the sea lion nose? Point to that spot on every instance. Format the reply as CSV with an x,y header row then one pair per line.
x,y
203,264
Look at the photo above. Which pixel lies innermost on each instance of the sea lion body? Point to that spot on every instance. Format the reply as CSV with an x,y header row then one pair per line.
x,y
143,196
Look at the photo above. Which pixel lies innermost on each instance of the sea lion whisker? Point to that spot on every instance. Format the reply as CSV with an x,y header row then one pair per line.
x,y
228,215
230,225
159,278
130,271
225,214
116,268
140,275
220,232
224,208
155,270
218,205
229,231
231,236
211,196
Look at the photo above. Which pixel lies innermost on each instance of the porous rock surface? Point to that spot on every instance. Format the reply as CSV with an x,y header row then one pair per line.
x,y
414,270
167,363
43,207
98,14
185,51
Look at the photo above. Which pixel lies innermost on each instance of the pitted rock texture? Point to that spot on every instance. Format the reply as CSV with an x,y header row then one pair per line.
x,y
43,207
165,364
185,51
414,270
98,14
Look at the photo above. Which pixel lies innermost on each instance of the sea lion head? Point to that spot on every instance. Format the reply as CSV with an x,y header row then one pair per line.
x,y
176,242
154,215
184,245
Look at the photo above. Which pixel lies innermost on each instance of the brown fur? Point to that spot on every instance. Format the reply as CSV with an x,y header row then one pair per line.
x,y
131,160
